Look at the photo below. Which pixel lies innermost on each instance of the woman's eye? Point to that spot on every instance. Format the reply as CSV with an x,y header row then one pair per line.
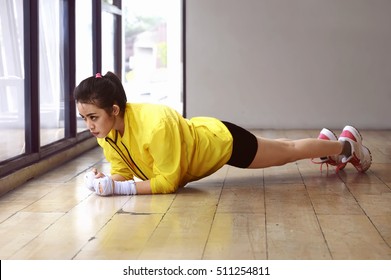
x,y
93,118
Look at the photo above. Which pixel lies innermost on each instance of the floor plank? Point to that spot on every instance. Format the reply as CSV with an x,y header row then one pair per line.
x,y
236,236
293,231
26,226
353,237
180,235
122,238
64,239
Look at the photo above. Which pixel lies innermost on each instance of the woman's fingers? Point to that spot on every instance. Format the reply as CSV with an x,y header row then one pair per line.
x,y
99,175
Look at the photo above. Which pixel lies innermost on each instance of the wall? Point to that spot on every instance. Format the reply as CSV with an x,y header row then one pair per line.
x,y
290,63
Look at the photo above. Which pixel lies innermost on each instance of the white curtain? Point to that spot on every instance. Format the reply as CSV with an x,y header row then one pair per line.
x,y
11,64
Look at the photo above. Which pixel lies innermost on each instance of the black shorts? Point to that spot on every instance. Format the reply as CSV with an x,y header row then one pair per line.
x,y
245,146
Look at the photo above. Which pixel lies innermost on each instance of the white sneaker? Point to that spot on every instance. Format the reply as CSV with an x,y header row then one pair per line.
x,y
360,157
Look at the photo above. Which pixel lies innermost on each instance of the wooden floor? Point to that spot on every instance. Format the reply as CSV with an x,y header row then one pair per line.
x,y
289,212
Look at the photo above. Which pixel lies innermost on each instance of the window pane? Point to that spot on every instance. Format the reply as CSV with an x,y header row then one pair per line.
x,y
108,23
51,72
11,79
84,63
153,64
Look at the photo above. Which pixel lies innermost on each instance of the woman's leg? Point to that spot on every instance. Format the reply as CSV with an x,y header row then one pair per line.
x,y
281,151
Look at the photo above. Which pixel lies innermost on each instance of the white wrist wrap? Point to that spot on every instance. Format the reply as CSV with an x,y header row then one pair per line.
x,y
103,186
89,178
106,186
125,187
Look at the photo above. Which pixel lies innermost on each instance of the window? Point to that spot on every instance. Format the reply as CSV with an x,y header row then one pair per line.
x,y
84,57
12,124
153,66
108,44
51,73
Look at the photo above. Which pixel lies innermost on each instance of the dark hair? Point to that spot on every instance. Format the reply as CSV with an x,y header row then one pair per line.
x,y
103,91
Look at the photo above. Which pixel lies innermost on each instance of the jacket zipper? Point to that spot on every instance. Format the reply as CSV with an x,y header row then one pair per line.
x,y
114,145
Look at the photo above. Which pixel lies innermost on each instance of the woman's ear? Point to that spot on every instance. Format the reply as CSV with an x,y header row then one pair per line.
x,y
116,110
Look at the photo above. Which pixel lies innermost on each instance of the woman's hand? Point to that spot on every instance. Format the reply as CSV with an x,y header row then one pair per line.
x,y
97,173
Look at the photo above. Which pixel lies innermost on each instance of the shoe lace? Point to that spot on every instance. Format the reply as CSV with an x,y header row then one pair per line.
x,y
322,162
339,167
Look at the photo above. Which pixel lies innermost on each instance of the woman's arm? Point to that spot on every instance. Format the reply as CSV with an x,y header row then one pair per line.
x,y
142,187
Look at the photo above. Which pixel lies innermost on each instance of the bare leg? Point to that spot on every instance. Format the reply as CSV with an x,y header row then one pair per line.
x,y
281,151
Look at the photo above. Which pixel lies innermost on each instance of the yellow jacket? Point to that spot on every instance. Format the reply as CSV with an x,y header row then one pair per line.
x,y
160,145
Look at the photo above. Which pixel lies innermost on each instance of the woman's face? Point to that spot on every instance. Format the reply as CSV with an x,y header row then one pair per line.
x,y
98,121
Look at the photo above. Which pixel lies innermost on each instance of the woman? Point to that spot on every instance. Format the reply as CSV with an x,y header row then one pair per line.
x,y
165,150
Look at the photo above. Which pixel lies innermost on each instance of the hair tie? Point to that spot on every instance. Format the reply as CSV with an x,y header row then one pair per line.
x,y
98,75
